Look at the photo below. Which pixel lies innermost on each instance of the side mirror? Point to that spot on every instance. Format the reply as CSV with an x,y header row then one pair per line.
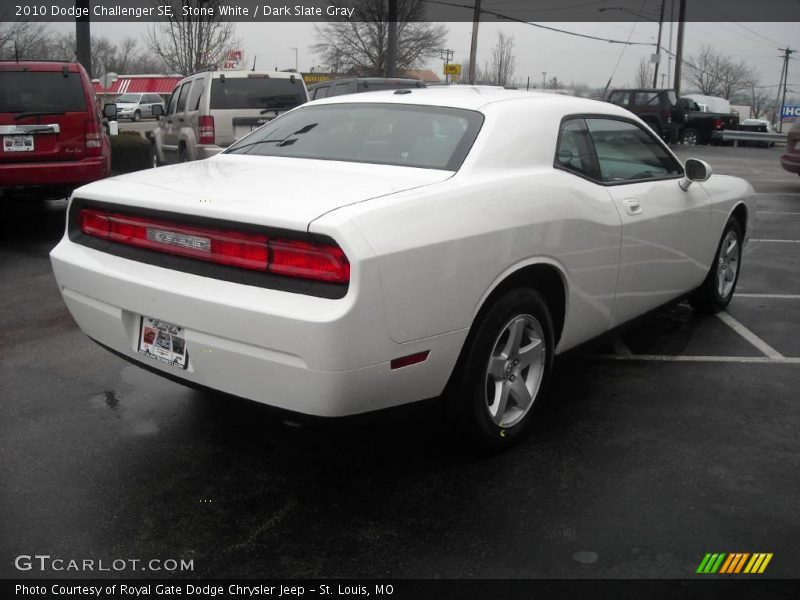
x,y
695,170
110,111
158,110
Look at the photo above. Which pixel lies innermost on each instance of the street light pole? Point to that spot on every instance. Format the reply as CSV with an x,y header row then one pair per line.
x,y
544,76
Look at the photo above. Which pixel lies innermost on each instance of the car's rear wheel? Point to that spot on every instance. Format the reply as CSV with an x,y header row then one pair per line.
x,y
689,137
156,162
137,116
183,155
720,283
502,374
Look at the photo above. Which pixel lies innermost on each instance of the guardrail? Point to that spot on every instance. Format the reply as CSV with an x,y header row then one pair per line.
x,y
730,135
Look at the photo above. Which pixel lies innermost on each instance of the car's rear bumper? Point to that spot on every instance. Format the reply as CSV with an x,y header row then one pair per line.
x,y
791,163
53,173
311,355
206,150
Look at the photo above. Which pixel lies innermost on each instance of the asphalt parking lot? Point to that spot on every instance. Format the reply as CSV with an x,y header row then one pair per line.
x,y
675,438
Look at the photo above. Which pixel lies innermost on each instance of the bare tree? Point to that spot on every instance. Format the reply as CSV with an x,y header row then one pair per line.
x,y
360,42
644,74
554,83
760,101
716,74
21,39
481,76
191,43
503,61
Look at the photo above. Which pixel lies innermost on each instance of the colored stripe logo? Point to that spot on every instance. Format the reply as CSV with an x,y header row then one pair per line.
x,y
734,563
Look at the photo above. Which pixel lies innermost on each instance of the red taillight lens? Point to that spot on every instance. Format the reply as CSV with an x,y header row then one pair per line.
x,y
309,261
717,123
292,258
205,128
94,138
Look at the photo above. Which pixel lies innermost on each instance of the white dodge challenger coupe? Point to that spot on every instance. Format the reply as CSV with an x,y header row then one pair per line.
x,y
365,251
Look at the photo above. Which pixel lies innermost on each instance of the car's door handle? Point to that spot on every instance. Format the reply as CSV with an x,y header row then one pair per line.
x,y
632,206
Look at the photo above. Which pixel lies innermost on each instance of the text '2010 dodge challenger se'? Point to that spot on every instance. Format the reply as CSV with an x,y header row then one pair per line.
x,y
365,251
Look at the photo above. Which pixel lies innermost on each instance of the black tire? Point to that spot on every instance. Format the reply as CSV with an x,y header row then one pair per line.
x,y
137,116
472,389
709,298
183,155
690,137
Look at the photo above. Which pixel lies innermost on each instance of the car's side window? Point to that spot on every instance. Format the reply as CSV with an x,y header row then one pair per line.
x,y
172,101
182,96
626,152
620,99
647,99
321,92
574,151
341,89
195,94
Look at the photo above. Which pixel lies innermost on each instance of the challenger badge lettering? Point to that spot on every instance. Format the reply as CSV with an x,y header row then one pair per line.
x,y
179,239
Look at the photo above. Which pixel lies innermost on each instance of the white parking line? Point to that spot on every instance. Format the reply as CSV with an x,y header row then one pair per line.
x,y
751,337
770,296
764,360
778,241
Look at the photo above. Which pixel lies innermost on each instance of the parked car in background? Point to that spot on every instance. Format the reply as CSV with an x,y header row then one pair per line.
x,y
51,129
209,111
791,160
675,120
757,125
370,250
356,85
138,106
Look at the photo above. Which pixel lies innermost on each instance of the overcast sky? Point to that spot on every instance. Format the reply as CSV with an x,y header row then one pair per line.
x,y
569,58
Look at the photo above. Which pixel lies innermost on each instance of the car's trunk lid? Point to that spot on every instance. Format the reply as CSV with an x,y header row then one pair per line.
x,y
278,192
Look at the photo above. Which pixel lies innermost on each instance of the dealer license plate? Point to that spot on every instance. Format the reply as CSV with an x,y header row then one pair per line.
x,y
163,342
17,143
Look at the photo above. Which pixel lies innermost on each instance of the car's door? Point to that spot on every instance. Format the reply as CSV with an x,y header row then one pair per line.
x,y
173,122
666,242
588,234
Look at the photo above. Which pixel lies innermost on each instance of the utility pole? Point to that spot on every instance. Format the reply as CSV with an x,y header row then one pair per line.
x,y
83,37
679,48
473,48
544,83
781,100
658,46
391,42
447,55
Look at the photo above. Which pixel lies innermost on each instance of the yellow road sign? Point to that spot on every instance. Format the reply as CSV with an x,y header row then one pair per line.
x,y
452,69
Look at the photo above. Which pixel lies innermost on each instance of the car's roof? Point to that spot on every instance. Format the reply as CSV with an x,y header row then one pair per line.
x,y
476,98
245,74
38,65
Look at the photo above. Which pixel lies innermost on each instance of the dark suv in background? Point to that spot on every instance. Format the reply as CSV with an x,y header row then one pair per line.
x,y
51,132
356,85
673,119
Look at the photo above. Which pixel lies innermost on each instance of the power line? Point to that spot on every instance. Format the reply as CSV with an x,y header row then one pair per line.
x,y
540,26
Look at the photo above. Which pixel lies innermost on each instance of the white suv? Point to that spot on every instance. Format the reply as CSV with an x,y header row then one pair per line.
x,y
208,111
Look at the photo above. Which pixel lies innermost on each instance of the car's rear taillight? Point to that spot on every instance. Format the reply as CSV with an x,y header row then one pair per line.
x,y
254,251
323,262
205,129
717,124
94,138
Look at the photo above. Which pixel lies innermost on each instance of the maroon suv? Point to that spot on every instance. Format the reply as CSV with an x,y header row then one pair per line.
x,y
791,160
51,131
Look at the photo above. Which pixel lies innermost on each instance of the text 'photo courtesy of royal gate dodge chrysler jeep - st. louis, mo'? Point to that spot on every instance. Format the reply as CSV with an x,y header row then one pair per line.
x,y
366,251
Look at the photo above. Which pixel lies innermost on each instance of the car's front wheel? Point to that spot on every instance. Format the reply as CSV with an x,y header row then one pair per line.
x,y
498,385
720,283
137,116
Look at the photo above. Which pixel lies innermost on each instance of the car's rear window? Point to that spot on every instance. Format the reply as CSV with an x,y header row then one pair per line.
x,y
128,98
430,137
256,92
41,91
